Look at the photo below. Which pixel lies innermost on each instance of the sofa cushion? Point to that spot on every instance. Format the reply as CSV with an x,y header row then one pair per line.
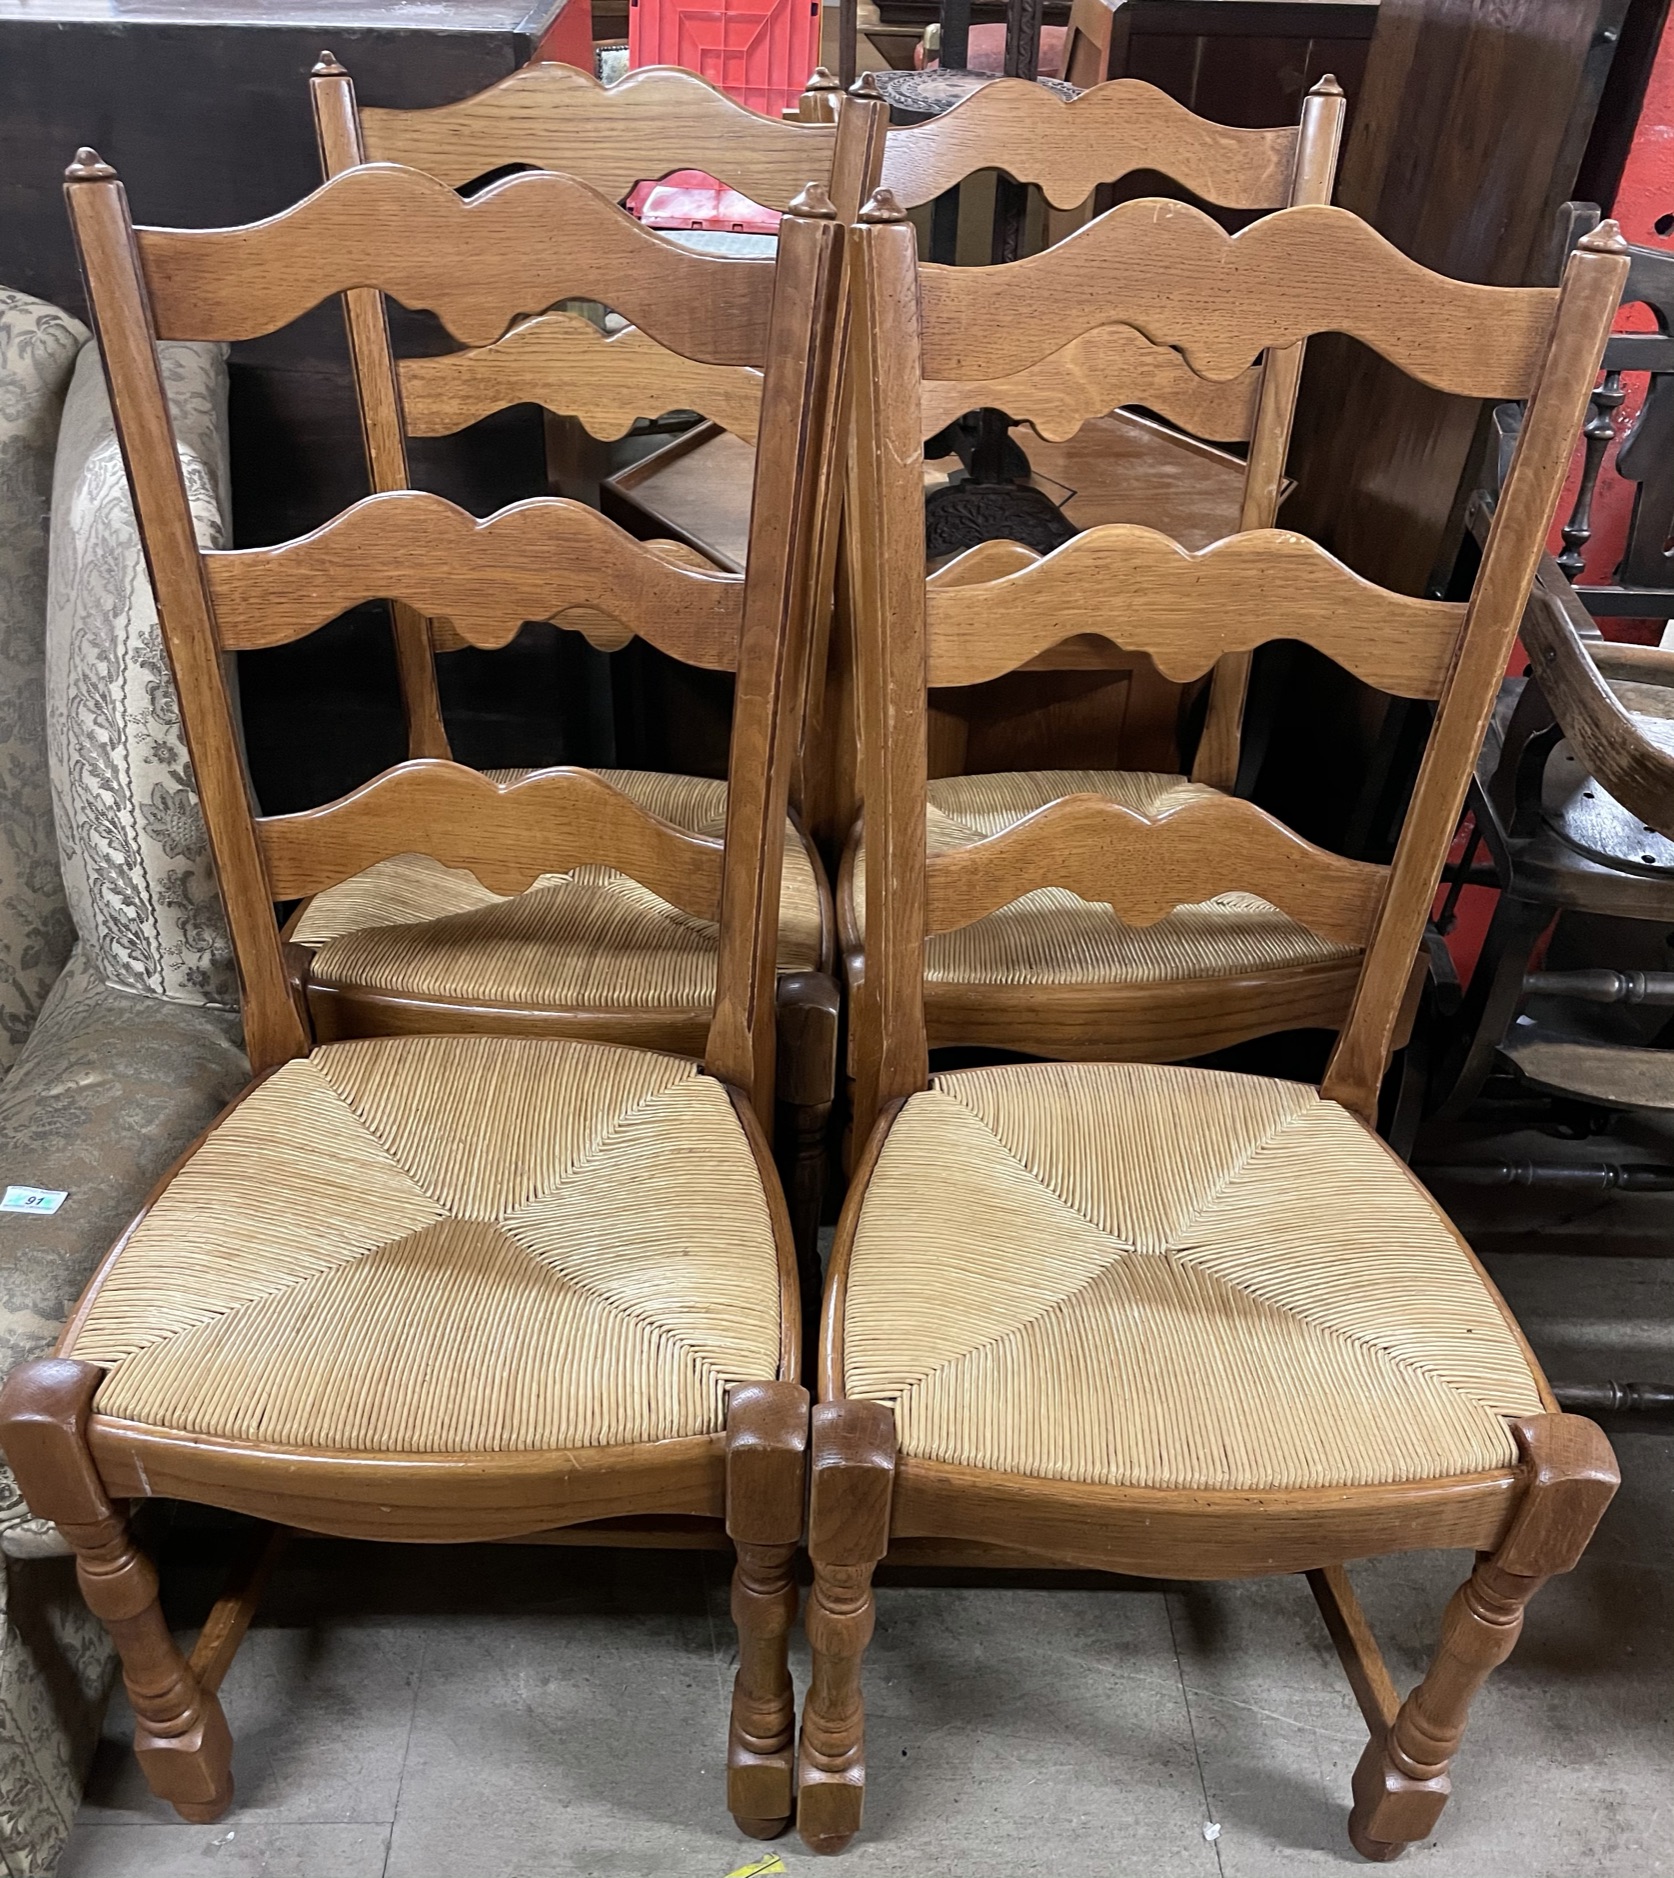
x,y
109,1090
131,837
38,347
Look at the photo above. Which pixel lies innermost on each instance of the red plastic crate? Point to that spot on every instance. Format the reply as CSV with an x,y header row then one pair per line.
x,y
759,52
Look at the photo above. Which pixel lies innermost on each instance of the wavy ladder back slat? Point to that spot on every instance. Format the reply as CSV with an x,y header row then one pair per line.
x,y
477,264
1175,274
507,834
1312,269
1145,593
1068,147
655,120
537,558
604,381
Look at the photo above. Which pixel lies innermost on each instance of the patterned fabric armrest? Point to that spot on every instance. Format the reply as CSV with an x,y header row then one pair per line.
x,y
108,1091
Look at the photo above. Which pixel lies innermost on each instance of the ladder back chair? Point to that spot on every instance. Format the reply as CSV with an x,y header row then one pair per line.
x,y
439,1287
1094,412
408,944
1061,973
1152,1319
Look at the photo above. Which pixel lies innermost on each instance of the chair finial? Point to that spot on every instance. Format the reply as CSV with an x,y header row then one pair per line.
x,y
865,86
813,201
1607,238
1327,88
90,167
822,80
883,207
326,66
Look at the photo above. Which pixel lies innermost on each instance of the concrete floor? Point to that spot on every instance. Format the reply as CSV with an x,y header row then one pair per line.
x,y
524,1712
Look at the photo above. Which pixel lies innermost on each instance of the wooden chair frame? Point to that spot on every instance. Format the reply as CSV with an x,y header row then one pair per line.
x,y
553,117
1067,148
550,116
1220,299
478,265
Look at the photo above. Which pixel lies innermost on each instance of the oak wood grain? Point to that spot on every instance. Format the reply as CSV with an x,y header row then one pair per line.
x,y
1175,274
507,834
274,1029
477,264
426,1498
1175,1534
790,504
1141,591
529,562
565,363
884,520
653,121
1095,373
1068,147
1146,865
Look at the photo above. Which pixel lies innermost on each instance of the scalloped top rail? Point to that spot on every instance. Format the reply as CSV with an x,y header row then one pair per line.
x,y
1144,866
566,363
1099,372
479,265
529,562
507,834
656,120
1145,593
1169,270
1069,146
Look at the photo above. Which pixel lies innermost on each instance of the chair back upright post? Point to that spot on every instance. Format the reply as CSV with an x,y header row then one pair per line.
x,y
792,513
1591,289
378,399
1318,143
275,1024
1168,270
519,246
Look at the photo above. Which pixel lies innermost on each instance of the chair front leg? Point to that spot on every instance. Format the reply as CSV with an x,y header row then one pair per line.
x,y
767,1488
1402,1782
852,1477
181,1737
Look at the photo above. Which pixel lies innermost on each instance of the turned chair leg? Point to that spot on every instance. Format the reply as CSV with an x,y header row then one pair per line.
x,y
180,1734
1402,1782
767,1483
852,1475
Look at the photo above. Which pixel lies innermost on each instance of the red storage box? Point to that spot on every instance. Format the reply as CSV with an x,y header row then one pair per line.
x,y
690,199
759,52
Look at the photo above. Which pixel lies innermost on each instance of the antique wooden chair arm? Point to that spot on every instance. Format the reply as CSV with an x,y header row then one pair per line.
x,y
1573,667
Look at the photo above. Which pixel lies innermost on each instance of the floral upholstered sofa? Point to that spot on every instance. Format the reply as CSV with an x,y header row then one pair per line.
x,y
119,1036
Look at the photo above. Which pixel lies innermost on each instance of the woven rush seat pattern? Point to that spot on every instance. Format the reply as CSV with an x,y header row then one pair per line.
x,y
1141,1276
1054,937
592,939
420,1245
